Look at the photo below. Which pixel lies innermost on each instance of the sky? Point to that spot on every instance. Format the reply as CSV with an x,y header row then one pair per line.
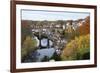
x,y
41,15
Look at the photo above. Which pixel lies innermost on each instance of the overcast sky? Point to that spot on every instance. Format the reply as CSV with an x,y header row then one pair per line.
x,y
52,15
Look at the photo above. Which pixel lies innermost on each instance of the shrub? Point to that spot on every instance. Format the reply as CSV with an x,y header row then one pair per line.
x,y
28,46
75,49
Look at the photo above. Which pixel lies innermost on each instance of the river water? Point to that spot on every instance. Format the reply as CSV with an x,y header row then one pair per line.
x,y
41,53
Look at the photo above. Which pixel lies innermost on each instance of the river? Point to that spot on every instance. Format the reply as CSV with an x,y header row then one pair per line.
x,y
48,51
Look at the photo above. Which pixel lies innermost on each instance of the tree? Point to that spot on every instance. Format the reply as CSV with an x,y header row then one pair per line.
x,y
75,49
28,46
25,30
69,33
46,58
56,57
85,27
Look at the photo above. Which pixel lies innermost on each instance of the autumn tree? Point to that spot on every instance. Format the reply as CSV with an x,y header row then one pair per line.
x,y
28,46
69,32
25,30
75,49
85,27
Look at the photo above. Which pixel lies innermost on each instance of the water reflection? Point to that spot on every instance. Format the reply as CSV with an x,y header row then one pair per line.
x,y
45,52
48,52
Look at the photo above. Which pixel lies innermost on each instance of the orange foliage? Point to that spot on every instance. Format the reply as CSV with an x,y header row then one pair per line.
x,y
85,27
